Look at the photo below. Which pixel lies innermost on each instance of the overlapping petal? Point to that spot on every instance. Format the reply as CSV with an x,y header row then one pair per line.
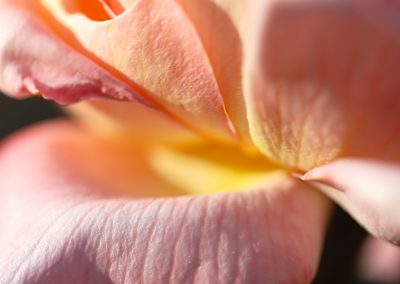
x,y
319,77
67,223
154,45
306,81
67,76
165,70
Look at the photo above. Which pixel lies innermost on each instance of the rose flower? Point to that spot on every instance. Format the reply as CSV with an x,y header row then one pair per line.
x,y
207,138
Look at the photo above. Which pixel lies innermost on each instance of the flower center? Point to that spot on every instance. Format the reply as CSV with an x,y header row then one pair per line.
x,y
210,168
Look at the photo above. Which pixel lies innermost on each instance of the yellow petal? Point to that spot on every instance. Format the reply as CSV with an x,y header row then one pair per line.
x,y
206,169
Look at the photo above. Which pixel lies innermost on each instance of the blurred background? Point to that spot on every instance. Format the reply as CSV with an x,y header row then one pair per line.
x,y
344,237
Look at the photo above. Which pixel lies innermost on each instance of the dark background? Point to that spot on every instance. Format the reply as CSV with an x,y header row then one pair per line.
x,y
344,236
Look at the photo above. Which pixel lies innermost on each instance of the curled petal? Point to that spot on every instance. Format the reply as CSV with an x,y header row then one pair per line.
x,y
368,189
152,44
33,61
67,76
321,80
67,223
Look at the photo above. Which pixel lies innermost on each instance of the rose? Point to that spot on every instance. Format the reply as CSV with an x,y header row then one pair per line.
x,y
312,86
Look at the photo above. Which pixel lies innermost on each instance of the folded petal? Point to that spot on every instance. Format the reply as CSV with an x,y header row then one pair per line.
x,y
368,189
64,221
152,44
321,80
219,34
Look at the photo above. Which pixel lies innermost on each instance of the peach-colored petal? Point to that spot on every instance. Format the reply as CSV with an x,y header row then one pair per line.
x,y
368,189
321,80
62,74
63,225
379,262
220,38
154,45
33,61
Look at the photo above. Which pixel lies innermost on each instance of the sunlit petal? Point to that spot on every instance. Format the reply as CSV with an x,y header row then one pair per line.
x,y
153,45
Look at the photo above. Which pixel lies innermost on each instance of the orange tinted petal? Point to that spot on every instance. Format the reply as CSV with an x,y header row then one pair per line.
x,y
67,76
321,80
94,9
33,61
155,46
113,7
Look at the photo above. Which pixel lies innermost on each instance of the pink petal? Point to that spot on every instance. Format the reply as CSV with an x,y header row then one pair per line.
x,y
154,45
62,220
379,262
321,80
368,189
